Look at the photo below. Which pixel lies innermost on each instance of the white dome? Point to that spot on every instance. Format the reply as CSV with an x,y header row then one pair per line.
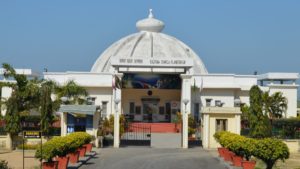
x,y
148,43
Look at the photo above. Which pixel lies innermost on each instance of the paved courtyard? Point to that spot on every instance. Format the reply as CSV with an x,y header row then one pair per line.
x,y
150,158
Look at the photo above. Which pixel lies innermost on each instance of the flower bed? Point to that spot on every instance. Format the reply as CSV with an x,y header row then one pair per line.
x,y
269,149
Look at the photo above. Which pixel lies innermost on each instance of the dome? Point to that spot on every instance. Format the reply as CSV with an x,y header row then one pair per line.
x,y
149,42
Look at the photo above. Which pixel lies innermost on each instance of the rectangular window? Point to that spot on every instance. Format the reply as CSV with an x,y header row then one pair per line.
x,y
161,110
131,108
89,122
221,125
91,100
138,110
196,112
168,108
104,109
208,102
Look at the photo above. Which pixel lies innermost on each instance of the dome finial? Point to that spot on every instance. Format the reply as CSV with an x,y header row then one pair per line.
x,y
150,13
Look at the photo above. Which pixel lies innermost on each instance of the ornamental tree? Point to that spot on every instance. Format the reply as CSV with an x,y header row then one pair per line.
x,y
260,126
270,150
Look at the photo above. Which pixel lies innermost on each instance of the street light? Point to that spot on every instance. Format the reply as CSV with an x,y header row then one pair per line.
x,y
117,101
185,102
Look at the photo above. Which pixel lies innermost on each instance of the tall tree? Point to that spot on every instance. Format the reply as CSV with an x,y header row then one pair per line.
x,y
47,105
259,123
23,98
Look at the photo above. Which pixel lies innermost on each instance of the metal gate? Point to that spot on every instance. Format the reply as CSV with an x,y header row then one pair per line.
x,y
136,134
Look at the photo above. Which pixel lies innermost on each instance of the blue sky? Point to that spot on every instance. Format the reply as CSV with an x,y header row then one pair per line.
x,y
230,36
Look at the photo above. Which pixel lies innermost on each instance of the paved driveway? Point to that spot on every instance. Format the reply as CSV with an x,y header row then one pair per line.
x,y
150,158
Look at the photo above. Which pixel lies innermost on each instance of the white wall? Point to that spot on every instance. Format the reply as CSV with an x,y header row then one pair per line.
x,y
290,92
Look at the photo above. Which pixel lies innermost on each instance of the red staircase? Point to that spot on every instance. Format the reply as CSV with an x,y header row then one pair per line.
x,y
155,127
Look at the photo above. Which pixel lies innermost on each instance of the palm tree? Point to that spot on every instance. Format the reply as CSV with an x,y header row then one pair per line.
x,y
76,94
275,105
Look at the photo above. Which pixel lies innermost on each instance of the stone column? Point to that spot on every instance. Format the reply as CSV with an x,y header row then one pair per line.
x,y
63,124
205,138
117,112
185,106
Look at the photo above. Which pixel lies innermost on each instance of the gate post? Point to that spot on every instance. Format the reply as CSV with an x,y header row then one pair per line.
x,y
117,100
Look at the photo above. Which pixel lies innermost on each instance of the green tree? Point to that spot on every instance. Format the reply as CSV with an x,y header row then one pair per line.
x,y
47,106
24,98
260,126
76,94
275,105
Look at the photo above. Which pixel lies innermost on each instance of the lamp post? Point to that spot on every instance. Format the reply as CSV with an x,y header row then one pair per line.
x,y
116,124
185,125
185,102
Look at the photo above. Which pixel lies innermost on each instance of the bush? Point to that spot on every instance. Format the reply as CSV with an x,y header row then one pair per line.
x,y
270,150
60,146
3,164
79,138
28,146
48,151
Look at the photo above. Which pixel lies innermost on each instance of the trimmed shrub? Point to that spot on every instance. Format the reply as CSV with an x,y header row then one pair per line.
x,y
60,146
270,150
47,152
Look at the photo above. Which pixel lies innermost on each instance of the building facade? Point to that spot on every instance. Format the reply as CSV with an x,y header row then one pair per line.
x,y
149,76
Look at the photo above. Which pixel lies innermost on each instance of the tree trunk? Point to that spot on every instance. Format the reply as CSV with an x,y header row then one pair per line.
x,y
270,165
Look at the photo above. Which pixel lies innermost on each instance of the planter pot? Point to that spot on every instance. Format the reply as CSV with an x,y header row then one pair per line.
x,y
50,165
62,162
221,151
88,147
73,157
248,164
237,161
231,155
82,151
227,156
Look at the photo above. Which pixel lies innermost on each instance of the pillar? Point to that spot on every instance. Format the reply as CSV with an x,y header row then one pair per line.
x,y
117,111
205,139
185,107
63,123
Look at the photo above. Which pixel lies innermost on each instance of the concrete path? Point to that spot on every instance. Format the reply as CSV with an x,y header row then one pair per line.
x,y
151,158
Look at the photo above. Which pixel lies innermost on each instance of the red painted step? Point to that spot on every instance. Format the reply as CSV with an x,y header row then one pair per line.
x,y
155,127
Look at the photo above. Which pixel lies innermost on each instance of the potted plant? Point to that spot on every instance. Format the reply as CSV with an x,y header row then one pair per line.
x,y
63,149
47,154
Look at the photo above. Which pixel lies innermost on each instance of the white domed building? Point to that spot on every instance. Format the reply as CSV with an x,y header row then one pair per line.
x,y
148,77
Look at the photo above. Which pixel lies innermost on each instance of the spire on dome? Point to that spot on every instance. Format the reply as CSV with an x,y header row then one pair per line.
x,y
150,14
150,24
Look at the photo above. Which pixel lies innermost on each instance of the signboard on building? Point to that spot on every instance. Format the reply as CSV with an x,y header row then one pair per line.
x,y
155,62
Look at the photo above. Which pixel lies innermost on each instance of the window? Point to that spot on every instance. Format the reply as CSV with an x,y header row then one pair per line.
x,y
104,109
218,103
221,125
168,108
208,102
196,112
161,110
138,110
91,100
131,108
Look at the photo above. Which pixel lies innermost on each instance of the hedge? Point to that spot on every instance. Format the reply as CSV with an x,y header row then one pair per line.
x,y
60,146
269,149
